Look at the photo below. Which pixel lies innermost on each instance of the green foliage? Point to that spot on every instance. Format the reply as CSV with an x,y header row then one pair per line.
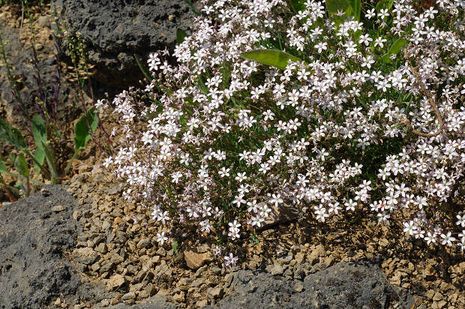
x,y
395,48
21,165
180,35
175,246
272,57
384,4
11,135
84,129
339,10
39,132
3,168
296,5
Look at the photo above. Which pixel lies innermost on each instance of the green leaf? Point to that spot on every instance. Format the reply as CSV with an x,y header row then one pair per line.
x,y
339,10
384,4
84,129
395,48
39,131
39,158
51,162
296,5
356,9
3,168
21,165
272,57
337,7
175,246
11,135
180,35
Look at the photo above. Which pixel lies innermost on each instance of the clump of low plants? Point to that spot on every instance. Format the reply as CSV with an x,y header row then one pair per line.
x,y
330,108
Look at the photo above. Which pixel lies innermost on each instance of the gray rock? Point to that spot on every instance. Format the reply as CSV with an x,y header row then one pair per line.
x,y
344,285
33,269
116,30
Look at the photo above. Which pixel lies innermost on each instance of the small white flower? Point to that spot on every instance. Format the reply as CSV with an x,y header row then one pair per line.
x,y
161,238
230,260
447,239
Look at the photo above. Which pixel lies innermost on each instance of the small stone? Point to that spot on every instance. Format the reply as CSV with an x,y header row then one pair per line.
x,y
106,225
179,297
95,267
76,214
128,296
298,287
106,267
116,258
437,296
45,192
329,261
57,301
143,243
430,294
216,292
58,208
183,284
276,269
216,270
197,282
44,21
102,248
299,257
315,254
115,282
105,303
202,303
86,256
161,252
195,260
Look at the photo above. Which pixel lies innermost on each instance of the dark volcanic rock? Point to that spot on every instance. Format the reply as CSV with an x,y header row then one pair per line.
x,y
116,30
33,238
343,285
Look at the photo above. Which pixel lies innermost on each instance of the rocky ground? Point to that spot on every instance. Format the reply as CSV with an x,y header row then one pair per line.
x,y
83,246
36,271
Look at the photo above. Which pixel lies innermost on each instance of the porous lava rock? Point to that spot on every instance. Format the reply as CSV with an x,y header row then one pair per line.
x,y
117,31
34,271
344,285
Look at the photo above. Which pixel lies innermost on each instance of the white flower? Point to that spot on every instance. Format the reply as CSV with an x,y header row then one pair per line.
x,y
276,199
461,220
370,13
447,239
161,238
230,260
410,228
234,230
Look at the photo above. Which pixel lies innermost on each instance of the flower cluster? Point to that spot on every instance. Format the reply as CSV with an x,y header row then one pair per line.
x,y
371,119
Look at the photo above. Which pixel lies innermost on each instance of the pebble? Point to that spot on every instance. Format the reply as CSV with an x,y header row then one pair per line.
x,y
58,208
128,296
179,297
216,292
298,287
143,243
101,248
202,303
195,260
116,281
86,255
315,254
276,269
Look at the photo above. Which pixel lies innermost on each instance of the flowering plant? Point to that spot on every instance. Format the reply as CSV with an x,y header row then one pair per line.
x,y
320,106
